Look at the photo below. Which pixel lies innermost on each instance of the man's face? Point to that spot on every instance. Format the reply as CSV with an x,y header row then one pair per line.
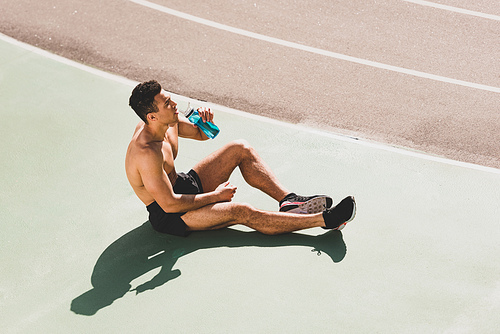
x,y
167,109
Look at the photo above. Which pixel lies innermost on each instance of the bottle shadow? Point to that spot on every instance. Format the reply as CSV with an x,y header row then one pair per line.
x,y
143,249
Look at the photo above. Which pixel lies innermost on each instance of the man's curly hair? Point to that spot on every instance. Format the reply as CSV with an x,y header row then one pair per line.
x,y
142,99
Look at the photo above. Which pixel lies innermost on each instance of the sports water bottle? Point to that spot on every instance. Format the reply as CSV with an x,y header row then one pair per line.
x,y
209,128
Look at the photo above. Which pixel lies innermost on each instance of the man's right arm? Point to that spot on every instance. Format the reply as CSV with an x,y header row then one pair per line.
x,y
157,184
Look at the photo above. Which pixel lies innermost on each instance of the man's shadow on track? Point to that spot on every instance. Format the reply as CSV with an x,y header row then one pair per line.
x,y
142,250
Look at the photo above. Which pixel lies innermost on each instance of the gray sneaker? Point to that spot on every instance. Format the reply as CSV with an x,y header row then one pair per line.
x,y
293,203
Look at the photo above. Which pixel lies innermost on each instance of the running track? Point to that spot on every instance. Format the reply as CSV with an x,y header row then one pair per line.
x,y
408,73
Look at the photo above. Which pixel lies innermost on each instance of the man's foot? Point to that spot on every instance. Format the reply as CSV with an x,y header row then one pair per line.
x,y
337,217
293,203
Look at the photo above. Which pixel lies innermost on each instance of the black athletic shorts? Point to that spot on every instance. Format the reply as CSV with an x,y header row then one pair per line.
x,y
172,223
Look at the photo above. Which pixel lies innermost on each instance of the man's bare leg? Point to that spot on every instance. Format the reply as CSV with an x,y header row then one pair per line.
x,y
218,166
220,215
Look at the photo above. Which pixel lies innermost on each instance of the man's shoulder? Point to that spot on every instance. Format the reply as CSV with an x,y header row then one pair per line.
x,y
143,158
141,146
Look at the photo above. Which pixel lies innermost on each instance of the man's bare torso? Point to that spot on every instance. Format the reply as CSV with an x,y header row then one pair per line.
x,y
165,150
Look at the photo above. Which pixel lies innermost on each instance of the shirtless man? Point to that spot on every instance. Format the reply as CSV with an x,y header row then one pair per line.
x,y
179,203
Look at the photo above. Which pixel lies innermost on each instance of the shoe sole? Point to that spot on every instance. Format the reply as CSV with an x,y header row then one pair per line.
x,y
315,205
341,226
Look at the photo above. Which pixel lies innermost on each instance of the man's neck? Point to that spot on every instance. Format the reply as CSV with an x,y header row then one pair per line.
x,y
156,133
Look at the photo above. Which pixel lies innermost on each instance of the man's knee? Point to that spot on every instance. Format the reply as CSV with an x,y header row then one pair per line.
x,y
247,215
252,217
243,212
242,146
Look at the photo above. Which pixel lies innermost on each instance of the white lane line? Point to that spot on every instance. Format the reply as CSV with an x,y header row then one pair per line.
x,y
306,48
455,9
354,140
130,83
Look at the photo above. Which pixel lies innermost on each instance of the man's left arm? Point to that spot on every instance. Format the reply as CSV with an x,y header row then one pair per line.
x,y
189,130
